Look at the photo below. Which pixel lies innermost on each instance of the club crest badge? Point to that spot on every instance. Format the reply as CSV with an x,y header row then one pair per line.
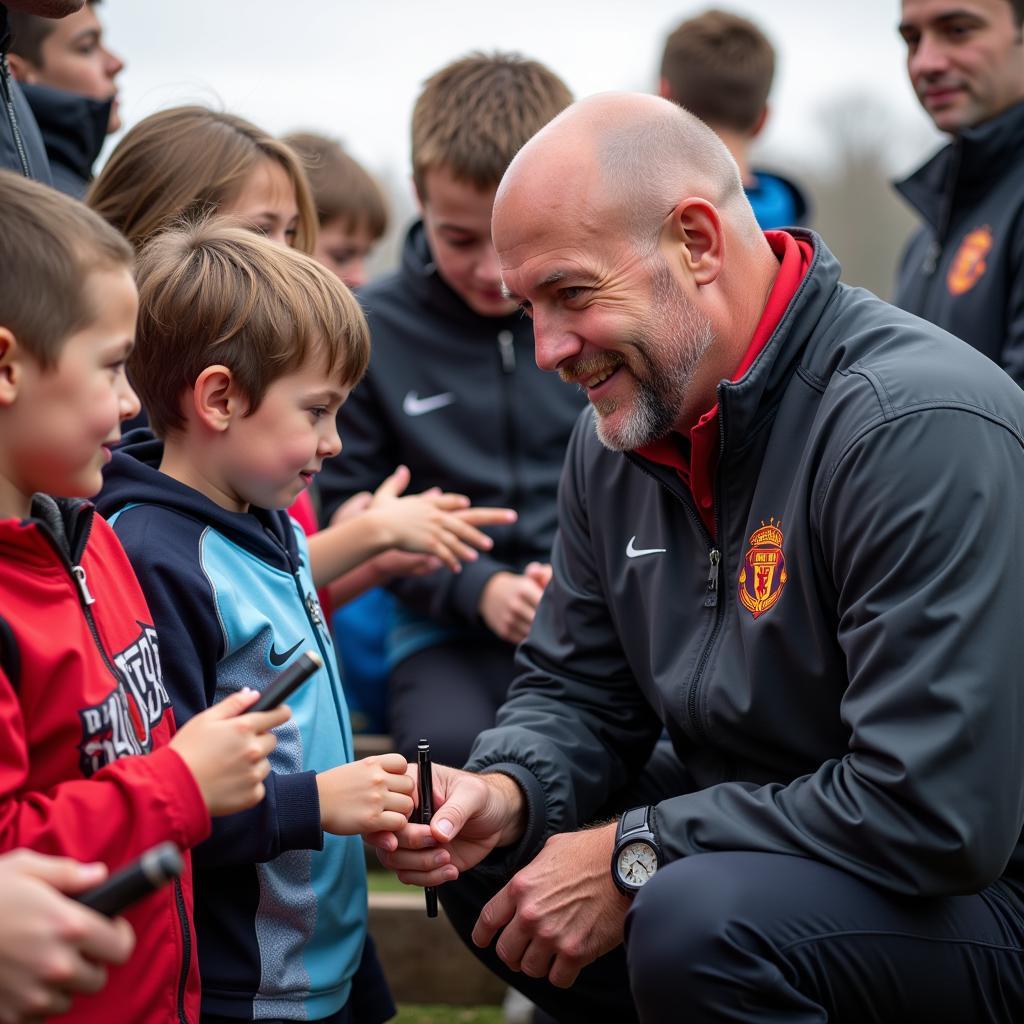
x,y
969,264
763,574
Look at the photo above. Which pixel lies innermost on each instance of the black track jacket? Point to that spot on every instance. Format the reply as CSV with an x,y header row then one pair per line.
x,y
840,671
458,398
964,269
21,146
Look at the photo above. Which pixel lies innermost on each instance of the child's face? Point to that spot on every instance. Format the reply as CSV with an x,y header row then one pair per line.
x,y
457,218
59,428
267,203
343,248
268,458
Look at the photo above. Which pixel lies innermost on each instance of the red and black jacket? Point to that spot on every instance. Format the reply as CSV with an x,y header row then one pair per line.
x,y
85,770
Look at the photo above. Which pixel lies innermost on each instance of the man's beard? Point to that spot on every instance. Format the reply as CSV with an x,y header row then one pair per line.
x,y
679,338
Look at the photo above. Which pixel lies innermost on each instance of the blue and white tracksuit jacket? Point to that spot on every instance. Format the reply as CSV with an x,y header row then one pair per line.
x,y
280,906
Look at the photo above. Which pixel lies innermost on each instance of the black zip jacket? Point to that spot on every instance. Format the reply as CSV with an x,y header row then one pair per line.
x,y
74,129
964,268
21,146
458,398
840,669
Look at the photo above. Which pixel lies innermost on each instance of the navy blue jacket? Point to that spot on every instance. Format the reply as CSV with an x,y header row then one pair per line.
x,y
964,268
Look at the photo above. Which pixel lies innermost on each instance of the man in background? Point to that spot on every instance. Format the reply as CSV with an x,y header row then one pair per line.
x,y
720,68
69,78
964,268
21,147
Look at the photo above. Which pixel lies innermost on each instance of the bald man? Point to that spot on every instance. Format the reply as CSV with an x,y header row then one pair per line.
x,y
791,534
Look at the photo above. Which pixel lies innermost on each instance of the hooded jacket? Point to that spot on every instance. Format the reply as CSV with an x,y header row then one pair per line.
x,y
964,268
21,146
74,129
839,672
458,398
777,201
85,770
280,907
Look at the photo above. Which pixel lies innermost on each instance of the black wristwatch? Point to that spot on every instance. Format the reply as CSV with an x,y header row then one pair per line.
x,y
637,854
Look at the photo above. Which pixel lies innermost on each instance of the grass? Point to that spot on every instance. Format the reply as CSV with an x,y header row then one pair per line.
x,y
441,1014
387,881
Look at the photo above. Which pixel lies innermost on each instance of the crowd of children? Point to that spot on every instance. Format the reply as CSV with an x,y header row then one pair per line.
x,y
197,303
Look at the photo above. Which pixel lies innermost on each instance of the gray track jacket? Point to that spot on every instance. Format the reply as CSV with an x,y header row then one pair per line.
x,y
840,670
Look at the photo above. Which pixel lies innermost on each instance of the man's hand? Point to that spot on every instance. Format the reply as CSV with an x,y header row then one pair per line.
x,y
474,814
509,601
51,947
559,913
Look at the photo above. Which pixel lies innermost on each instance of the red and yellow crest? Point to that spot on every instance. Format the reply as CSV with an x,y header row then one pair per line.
x,y
969,264
764,569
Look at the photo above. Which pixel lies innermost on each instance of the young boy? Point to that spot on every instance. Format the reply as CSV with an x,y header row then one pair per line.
x,y
720,67
246,350
90,764
350,206
453,392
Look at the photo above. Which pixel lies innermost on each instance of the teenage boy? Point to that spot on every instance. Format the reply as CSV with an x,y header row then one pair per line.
x,y
69,77
246,350
90,764
963,269
720,67
453,393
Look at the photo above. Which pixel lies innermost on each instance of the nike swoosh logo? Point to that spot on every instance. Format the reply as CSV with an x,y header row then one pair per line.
x,y
633,552
413,405
277,660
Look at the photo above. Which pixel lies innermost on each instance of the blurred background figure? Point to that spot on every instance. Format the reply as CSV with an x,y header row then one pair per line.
x,y
720,67
69,78
964,268
350,205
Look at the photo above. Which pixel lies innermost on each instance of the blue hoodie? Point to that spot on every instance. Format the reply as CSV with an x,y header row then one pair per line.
x,y
280,906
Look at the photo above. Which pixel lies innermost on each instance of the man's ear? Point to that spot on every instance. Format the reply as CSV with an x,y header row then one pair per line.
x,y
23,70
11,357
696,236
215,399
664,89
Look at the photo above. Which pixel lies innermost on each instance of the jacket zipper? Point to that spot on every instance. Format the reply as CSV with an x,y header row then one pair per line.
x,y
711,601
86,599
186,948
12,117
507,354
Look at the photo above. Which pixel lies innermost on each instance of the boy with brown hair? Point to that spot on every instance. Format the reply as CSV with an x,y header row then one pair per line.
x,y
91,765
453,392
350,206
720,67
246,350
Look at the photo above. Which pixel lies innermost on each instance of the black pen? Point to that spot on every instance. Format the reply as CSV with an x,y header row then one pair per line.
x,y
426,810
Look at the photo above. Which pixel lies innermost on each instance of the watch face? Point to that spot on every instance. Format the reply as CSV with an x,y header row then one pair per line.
x,y
636,863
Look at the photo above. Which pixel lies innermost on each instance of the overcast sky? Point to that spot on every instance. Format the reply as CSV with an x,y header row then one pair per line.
x,y
352,68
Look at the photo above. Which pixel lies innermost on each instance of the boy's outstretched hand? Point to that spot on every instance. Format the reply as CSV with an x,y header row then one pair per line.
x,y
371,795
434,523
226,751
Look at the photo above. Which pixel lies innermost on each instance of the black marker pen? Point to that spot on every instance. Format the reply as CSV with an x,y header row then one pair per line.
x,y
426,810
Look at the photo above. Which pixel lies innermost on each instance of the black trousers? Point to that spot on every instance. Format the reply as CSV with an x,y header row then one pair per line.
x,y
449,694
773,939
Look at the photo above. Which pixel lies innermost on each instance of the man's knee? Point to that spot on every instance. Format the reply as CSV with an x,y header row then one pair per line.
x,y
695,913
